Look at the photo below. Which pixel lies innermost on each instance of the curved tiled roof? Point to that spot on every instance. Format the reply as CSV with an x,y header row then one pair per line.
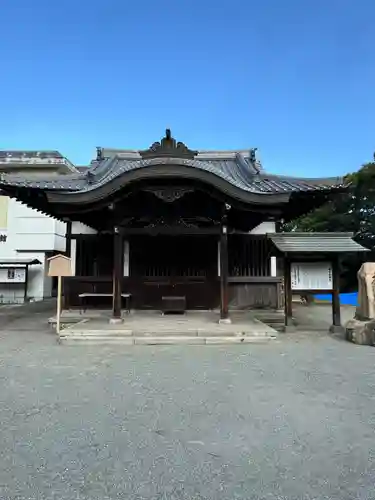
x,y
235,177
235,169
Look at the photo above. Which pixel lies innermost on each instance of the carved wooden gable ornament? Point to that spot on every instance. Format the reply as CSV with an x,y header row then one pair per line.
x,y
168,147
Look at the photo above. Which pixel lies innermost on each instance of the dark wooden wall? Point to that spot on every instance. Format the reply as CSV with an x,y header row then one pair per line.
x,y
193,271
256,294
248,255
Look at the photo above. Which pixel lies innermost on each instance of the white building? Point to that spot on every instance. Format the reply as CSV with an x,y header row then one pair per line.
x,y
25,234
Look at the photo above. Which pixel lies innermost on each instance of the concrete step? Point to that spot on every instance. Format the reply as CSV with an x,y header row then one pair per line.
x,y
70,332
76,332
160,340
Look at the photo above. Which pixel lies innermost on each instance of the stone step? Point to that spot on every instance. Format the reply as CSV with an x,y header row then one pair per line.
x,y
68,332
160,340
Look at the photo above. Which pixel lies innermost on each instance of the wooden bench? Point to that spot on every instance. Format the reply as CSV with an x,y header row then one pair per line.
x,y
84,296
171,303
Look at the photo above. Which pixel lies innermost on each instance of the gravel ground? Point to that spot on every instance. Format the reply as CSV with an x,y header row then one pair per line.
x,y
293,419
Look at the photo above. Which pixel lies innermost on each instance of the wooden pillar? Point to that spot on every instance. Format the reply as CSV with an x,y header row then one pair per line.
x,y
336,326
68,251
224,299
117,274
68,238
26,282
288,309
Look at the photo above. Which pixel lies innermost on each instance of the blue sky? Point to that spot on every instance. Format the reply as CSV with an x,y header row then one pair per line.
x,y
295,78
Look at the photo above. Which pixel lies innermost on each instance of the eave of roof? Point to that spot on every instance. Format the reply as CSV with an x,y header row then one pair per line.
x,y
236,171
19,262
302,243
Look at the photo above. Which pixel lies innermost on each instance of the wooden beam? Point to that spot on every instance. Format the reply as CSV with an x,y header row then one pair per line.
x,y
254,279
172,231
336,326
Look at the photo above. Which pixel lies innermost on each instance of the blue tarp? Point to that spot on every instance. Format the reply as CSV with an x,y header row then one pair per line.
x,y
348,299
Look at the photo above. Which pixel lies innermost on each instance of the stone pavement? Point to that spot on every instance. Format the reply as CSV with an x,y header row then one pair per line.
x,y
292,419
318,317
13,312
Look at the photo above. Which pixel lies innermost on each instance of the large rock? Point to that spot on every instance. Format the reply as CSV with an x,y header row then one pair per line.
x,y
361,329
366,293
361,332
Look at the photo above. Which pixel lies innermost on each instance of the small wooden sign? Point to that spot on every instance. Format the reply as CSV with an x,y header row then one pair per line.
x,y
60,265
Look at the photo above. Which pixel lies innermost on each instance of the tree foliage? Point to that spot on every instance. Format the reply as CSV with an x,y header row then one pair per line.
x,y
352,211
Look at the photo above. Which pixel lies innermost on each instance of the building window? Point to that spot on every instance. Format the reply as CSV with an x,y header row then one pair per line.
x,y
11,274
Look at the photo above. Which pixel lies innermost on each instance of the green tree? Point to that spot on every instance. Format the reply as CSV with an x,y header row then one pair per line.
x,y
352,211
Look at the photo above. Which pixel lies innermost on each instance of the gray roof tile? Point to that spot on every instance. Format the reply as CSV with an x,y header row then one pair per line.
x,y
234,167
315,242
19,262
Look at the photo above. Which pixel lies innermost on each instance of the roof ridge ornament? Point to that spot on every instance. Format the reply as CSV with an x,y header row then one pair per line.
x,y
255,161
253,155
168,147
99,153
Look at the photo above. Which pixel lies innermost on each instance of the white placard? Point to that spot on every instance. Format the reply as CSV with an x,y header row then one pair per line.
x,y
12,275
311,276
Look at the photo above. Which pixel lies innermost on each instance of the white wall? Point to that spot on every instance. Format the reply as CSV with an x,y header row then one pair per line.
x,y
79,228
30,234
12,290
32,230
264,228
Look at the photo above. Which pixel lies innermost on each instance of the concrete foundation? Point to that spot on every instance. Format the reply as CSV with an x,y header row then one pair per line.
x,y
153,328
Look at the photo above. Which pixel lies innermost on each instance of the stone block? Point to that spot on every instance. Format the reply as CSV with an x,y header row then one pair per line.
x,y
97,333
169,340
116,321
338,329
366,292
237,340
225,321
95,340
361,332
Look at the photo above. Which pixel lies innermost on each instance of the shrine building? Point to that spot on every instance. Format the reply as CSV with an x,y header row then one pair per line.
x,y
172,228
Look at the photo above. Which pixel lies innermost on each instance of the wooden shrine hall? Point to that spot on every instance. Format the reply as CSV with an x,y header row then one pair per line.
x,y
171,228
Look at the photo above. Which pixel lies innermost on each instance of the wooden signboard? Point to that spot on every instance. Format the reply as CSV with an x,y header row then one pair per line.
x,y
311,276
60,266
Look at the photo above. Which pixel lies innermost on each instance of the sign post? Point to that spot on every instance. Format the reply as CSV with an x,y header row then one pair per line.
x,y
58,313
59,266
